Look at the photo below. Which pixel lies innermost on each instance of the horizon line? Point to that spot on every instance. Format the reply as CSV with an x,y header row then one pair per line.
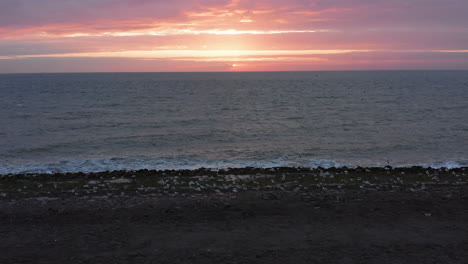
x,y
101,72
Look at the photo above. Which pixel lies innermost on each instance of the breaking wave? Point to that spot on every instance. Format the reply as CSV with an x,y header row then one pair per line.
x,y
173,163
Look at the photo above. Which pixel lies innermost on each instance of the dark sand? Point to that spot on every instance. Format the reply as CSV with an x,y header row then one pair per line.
x,y
237,216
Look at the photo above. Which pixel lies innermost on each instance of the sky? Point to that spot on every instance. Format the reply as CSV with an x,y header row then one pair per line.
x,y
232,35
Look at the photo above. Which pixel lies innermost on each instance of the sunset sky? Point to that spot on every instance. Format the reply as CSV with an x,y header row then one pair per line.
x,y
231,35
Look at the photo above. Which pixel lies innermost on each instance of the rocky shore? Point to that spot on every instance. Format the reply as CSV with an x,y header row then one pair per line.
x,y
249,215
175,182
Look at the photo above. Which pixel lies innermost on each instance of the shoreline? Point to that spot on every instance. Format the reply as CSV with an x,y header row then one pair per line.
x,y
233,180
111,165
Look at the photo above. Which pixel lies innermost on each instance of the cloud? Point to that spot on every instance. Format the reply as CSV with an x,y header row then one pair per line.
x,y
339,61
48,27
33,12
330,13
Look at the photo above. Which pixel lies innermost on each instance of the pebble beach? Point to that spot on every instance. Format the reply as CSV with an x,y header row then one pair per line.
x,y
275,215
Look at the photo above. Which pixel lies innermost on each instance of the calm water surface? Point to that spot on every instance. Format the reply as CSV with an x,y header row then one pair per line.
x,y
96,122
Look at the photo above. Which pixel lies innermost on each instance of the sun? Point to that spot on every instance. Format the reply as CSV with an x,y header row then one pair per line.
x,y
233,67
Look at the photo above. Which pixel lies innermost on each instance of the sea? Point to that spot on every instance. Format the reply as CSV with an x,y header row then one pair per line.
x,y
92,122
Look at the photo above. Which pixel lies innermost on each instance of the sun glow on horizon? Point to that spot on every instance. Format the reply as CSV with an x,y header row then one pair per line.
x,y
187,54
217,35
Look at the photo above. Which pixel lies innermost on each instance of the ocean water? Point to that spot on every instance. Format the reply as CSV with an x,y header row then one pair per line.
x,y
128,121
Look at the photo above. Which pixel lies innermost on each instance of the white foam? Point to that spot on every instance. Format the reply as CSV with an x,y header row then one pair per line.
x,y
163,163
446,164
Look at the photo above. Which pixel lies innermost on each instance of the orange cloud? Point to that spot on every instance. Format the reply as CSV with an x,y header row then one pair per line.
x,y
279,33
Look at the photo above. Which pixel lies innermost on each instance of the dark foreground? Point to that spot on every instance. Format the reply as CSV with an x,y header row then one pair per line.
x,y
277,216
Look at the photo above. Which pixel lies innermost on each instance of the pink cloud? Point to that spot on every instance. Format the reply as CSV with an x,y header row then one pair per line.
x,y
32,27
